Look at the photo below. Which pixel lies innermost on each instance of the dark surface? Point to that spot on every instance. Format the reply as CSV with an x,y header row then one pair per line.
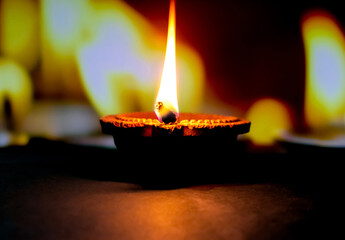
x,y
53,190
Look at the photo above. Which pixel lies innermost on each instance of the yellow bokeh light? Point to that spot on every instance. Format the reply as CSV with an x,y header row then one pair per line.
x,y
269,118
63,25
16,88
324,45
19,36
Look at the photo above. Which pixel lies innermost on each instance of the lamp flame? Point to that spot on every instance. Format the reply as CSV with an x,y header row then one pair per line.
x,y
120,61
166,106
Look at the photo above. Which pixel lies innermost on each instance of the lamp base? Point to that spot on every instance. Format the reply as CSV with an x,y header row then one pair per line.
x,y
191,131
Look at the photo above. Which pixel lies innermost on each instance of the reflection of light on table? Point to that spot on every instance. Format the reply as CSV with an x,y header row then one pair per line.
x,y
326,138
66,206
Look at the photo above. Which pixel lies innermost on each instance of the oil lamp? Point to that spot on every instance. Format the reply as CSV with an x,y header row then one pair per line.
x,y
166,127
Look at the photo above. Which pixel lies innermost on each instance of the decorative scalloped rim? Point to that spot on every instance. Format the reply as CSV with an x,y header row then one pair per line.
x,y
121,120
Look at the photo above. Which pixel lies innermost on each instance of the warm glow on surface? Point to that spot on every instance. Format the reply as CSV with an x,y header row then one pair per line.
x,y
167,94
269,118
324,45
121,62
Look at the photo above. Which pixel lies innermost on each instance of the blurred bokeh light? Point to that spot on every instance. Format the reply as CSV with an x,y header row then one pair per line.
x,y
270,118
19,31
325,69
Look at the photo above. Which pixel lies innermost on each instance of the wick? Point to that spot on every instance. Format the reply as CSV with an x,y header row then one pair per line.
x,y
164,114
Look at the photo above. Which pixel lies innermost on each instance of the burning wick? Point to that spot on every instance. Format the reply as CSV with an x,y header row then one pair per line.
x,y
166,107
165,113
